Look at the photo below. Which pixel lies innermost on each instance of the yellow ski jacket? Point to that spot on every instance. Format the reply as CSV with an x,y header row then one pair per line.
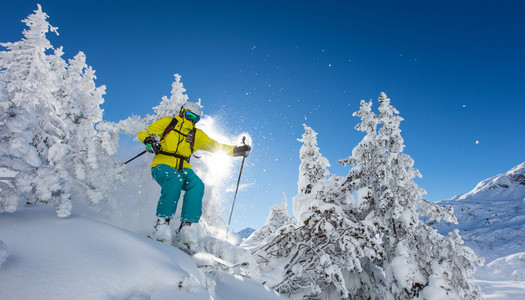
x,y
176,142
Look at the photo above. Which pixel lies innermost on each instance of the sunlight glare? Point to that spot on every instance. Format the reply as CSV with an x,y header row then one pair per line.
x,y
219,165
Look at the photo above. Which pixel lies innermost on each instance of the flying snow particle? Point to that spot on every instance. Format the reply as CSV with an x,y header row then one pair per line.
x,y
329,65
464,105
477,142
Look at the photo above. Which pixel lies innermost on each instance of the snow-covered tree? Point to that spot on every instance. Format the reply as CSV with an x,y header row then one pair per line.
x,y
375,246
29,121
417,262
313,165
48,112
314,257
170,107
91,165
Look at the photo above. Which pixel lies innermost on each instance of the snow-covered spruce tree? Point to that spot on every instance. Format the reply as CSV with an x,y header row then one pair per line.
x,y
316,255
29,122
313,165
90,163
49,109
417,262
170,107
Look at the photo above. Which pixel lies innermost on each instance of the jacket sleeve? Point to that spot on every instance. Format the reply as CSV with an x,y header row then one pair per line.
x,y
204,142
155,128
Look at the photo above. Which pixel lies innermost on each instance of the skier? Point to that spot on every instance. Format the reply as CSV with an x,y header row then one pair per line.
x,y
170,167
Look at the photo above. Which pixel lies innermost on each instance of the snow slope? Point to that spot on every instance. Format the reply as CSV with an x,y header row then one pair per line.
x,y
46,257
491,220
492,216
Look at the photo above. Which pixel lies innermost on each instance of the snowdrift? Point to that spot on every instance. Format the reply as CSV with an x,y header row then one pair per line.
x,y
45,257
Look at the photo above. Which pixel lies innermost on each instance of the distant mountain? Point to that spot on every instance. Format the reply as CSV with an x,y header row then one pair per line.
x,y
492,216
244,234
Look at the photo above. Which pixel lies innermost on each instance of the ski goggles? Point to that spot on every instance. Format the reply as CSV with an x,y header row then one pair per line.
x,y
191,117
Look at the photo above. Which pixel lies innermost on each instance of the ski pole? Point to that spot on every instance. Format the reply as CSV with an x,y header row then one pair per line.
x,y
237,188
135,157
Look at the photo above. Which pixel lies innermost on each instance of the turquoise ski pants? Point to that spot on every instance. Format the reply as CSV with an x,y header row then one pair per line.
x,y
172,183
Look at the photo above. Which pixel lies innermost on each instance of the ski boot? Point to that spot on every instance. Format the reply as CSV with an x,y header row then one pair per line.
x,y
185,239
162,232
183,224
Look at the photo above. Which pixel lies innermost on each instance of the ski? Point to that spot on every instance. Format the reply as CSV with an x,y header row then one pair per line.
x,y
210,263
185,248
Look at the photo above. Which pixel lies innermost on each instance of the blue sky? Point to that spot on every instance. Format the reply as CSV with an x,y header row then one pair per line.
x,y
454,70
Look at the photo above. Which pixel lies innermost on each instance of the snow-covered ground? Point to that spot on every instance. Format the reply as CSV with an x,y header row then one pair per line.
x,y
503,278
45,257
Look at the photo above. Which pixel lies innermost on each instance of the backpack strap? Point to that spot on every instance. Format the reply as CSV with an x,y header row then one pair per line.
x,y
170,127
190,138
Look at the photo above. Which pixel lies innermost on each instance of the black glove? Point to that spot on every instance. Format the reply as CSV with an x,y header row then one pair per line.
x,y
152,145
243,150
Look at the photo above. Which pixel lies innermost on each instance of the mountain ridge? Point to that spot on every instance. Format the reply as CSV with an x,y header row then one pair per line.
x,y
509,184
